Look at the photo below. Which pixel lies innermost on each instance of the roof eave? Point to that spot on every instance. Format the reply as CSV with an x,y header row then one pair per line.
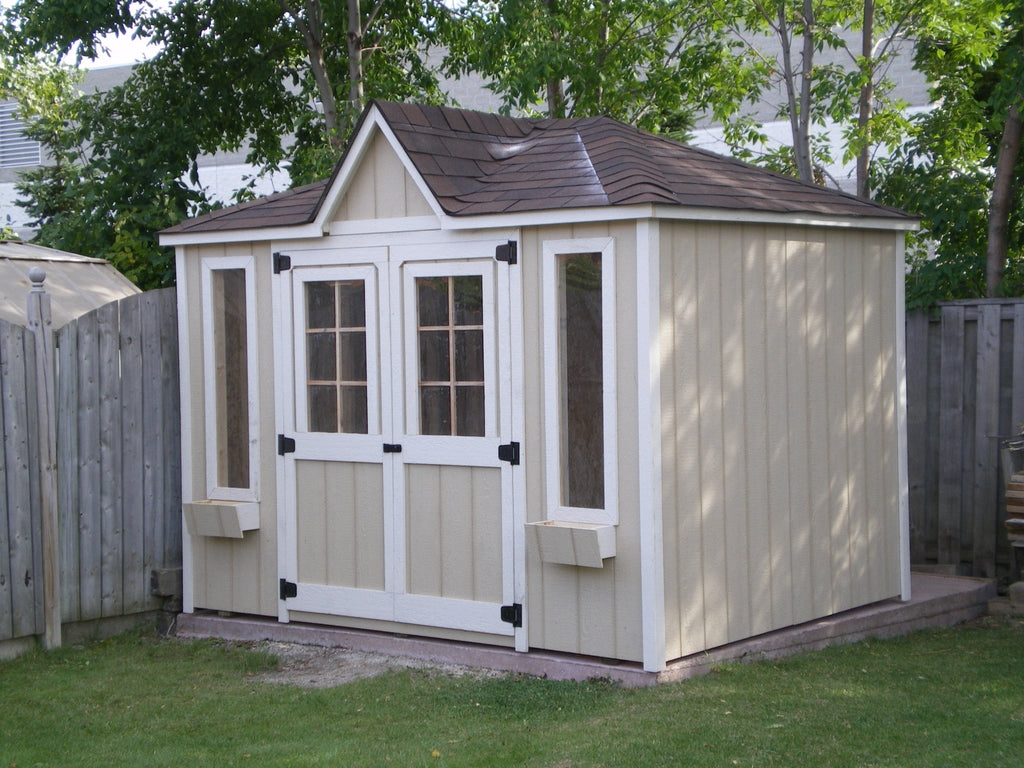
x,y
250,235
675,212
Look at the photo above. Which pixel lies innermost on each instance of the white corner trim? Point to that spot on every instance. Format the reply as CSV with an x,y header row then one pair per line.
x,y
652,569
901,420
188,604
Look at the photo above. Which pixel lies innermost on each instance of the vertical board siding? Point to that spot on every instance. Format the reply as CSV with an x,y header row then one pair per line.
x,y
340,523
965,391
453,536
778,404
593,611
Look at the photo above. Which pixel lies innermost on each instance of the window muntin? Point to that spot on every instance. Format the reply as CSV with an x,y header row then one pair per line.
x,y
450,343
230,378
336,357
579,380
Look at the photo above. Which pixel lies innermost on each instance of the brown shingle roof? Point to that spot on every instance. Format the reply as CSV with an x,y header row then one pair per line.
x,y
296,206
476,164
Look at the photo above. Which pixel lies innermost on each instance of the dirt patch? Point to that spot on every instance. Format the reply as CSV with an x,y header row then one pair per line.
x,y
313,666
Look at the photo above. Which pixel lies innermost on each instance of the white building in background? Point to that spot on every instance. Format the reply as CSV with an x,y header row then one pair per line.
x,y
223,173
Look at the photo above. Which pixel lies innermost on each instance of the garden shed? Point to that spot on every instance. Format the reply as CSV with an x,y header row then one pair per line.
x,y
75,283
543,384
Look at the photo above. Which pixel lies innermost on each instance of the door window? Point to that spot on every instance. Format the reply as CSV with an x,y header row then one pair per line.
x,y
450,337
336,377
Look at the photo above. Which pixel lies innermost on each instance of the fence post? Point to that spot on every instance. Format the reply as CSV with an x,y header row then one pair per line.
x,y
40,323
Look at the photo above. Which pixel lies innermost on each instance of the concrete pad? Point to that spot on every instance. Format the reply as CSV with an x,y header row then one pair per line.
x,y
938,601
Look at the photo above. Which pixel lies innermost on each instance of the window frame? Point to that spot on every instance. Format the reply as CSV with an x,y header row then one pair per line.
x,y
469,268
552,378
348,272
214,489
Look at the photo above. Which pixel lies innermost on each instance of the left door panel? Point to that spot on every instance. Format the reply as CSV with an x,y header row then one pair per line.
x,y
336,477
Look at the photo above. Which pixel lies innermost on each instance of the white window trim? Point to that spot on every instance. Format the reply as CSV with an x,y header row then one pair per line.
x,y
552,249
485,270
209,266
368,274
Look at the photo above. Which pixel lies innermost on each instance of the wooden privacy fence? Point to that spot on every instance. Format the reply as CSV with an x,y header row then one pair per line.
x,y
965,391
118,496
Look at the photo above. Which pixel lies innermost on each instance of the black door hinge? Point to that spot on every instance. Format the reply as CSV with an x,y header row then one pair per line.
x,y
392,448
282,262
512,614
509,452
285,445
288,589
508,252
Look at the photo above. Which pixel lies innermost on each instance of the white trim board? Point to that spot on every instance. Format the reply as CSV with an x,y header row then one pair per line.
x,y
551,250
541,218
649,467
207,267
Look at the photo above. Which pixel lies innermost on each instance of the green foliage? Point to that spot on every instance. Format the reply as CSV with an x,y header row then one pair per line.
x,y
651,63
944,170
232,75
140,702
833,87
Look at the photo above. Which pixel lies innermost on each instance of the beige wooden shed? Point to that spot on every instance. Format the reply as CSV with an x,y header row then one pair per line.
x,y
543,384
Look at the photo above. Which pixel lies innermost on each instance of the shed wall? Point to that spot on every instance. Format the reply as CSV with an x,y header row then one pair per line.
x,y
779,442
234,574
595,611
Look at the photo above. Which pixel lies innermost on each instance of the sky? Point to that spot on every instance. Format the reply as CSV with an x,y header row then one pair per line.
x,y
121,50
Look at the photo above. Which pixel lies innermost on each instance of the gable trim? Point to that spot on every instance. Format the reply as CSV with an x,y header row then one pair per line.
x,y
357,151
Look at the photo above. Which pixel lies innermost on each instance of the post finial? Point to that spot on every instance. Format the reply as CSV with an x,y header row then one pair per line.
x,y
37,275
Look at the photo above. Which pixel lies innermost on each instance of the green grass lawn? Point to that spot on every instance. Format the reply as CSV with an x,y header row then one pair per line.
x,y
937,698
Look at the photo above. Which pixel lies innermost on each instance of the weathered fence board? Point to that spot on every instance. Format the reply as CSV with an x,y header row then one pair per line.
x,y
124,442
965,390
23,611
67,463
118,464
136,583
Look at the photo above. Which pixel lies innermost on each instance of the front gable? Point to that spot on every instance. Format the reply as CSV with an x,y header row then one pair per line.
x,y
377,183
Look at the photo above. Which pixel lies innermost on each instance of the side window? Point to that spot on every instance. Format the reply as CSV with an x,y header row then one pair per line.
x,y
229,363
579,379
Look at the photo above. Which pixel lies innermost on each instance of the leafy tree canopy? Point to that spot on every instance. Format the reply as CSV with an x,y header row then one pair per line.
x,y
946,169
253,75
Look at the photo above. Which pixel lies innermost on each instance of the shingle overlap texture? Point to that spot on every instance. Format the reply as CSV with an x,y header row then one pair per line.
x,y
479,164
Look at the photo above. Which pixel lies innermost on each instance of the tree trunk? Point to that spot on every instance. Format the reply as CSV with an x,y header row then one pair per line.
x,y
799,111
867,98
1002,196
555,89
354,38
311,29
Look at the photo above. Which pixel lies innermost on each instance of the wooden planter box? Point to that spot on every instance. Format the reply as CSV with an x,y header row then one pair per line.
x,y
226,519
584,544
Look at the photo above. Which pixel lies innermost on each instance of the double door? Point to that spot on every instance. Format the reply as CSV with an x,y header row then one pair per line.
x,y
398,493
